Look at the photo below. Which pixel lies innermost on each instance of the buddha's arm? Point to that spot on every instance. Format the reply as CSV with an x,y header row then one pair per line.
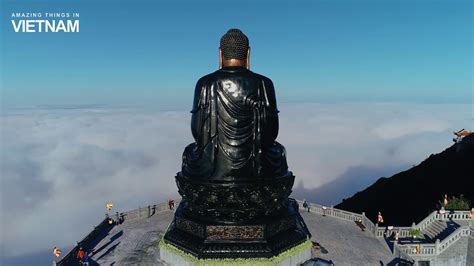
x,y
197,111
271,112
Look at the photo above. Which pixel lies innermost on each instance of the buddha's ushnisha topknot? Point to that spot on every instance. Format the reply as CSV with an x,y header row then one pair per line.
x,y
234,45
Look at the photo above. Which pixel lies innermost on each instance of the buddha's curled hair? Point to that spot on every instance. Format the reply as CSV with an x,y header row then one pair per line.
x,y
234,45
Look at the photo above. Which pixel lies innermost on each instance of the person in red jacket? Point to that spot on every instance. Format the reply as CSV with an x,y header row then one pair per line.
x,y
80,254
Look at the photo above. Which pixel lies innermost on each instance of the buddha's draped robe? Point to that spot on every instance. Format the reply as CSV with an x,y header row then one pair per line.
x,y
234,124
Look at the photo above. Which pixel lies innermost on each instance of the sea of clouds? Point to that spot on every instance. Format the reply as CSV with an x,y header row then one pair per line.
x,y
60,165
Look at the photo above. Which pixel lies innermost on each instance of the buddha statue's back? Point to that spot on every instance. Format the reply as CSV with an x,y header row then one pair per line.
x,y
234,124
235,170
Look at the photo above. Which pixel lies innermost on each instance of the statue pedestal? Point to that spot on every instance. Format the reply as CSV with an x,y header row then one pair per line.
x,y
280,239
291,257
295,256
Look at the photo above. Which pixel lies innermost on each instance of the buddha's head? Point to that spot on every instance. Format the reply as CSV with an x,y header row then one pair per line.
x,y
234,49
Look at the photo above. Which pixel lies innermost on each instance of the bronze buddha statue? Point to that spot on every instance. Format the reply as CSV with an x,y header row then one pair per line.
x,y
234,180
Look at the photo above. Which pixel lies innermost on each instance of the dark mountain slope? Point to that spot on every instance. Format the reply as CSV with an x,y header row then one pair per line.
x,y
409,196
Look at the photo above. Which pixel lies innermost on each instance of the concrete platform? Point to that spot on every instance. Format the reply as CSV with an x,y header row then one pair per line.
x,y
136,242
345,243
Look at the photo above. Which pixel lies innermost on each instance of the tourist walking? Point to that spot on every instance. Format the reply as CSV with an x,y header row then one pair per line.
x,y
80,255
171,204
306,205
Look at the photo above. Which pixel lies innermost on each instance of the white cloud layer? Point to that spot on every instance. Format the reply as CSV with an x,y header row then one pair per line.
x,y
60,166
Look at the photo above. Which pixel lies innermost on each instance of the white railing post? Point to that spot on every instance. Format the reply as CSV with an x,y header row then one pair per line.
x,y
437,246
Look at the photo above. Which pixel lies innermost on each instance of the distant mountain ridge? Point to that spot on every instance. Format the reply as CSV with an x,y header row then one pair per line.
x,y
410,195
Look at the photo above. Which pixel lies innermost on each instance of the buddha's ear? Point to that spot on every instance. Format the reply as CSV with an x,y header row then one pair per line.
x,y
247,61
220,58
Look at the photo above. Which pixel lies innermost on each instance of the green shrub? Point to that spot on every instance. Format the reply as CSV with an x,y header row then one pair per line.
x,y
456,203
415,232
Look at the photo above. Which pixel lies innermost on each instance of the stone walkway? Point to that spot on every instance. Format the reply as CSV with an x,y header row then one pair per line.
x,y
344,243
135,242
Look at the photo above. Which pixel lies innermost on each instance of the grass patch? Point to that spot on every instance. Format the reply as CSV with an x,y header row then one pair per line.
x,y
237,261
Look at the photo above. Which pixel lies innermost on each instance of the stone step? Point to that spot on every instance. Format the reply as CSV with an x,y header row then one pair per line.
x,y
439,230
439,226
435,229
431,234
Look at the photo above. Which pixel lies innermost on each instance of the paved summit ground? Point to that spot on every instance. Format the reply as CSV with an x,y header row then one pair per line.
x,y
136,242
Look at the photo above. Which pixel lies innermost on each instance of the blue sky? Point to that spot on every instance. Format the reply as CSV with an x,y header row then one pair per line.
x,y
152,52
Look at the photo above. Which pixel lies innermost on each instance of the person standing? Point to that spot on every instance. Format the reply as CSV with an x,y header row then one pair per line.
x,y
379,218
80,255
85,260
324,210
305,204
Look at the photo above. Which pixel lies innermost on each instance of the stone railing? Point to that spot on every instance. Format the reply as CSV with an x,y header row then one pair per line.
x,y
413,250
425,223
433,249
403,251
448,241
338,213
144,212
352,217
447,216
385,232
454,215
368,223
103,226
399,252
70,257
428,249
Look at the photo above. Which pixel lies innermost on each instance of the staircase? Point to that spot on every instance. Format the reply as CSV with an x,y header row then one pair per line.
x,y
439,230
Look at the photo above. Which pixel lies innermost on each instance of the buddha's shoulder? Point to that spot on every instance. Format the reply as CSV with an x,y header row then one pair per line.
x,y
262,77
206,79
219,75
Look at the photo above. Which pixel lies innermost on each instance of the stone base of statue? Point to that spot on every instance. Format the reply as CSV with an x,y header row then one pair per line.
x,y
236,220
229,220
292,257
259,239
